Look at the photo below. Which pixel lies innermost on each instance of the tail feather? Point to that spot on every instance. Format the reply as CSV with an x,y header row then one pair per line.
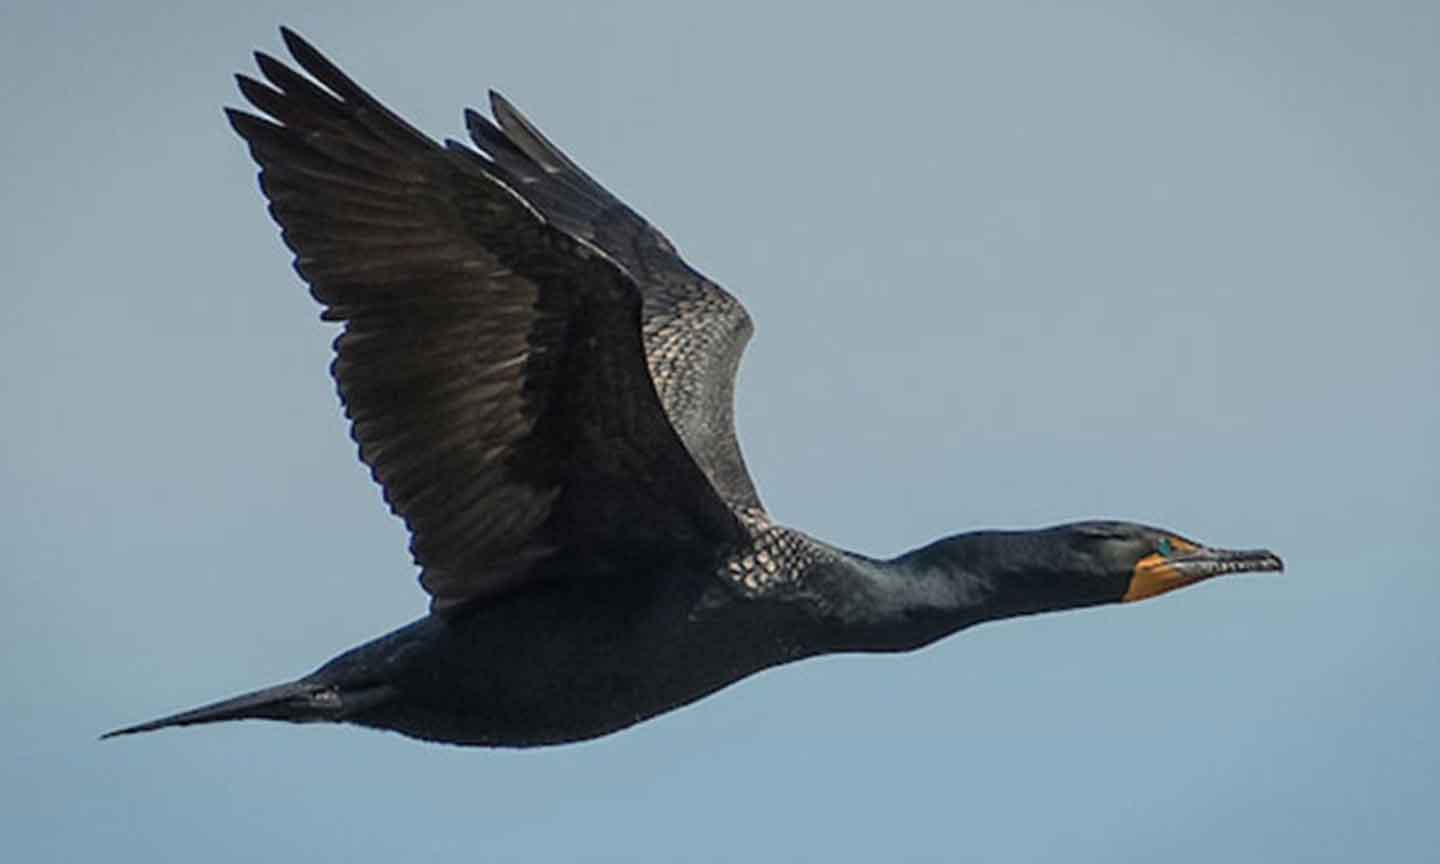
x,y
297,702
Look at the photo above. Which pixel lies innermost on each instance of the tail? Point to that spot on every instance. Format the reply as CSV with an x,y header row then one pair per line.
x,y
297,702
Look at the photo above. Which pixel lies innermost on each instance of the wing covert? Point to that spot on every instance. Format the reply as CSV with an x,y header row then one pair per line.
x,y
695,331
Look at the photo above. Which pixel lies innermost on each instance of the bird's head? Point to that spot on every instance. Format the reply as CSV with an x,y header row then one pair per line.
x,y
959,581
1138,561
986,575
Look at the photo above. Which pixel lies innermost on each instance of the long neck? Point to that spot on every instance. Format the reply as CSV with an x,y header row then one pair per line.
x,y
930,592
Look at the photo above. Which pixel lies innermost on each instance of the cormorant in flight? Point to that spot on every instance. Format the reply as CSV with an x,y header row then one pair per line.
x,y
544,391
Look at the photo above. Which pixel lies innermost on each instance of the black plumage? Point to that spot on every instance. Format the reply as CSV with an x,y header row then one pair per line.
x,y
543,390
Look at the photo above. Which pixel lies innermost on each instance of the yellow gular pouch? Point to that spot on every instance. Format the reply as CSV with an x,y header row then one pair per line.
x,y
1177,562
1158,572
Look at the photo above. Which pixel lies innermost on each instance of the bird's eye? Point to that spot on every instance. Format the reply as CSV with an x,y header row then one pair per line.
x,y
1165,549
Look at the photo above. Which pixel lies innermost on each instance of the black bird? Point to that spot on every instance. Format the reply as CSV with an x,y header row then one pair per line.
x,y
544,391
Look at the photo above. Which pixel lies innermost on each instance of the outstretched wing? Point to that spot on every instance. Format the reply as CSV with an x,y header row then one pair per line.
x,y
695,331
491,365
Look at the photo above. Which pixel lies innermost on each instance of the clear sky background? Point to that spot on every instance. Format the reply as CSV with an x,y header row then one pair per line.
x,y
1011,264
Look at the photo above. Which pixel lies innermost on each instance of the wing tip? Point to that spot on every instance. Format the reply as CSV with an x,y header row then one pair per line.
x,y
248,125
295,43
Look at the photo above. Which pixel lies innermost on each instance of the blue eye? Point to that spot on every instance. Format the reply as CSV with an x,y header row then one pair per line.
x,y
1165,550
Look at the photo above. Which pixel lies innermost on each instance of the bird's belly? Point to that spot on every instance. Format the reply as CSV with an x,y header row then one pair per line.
x,y
522,679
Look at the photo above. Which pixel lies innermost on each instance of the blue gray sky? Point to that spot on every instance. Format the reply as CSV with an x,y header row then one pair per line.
x,y
1011,264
